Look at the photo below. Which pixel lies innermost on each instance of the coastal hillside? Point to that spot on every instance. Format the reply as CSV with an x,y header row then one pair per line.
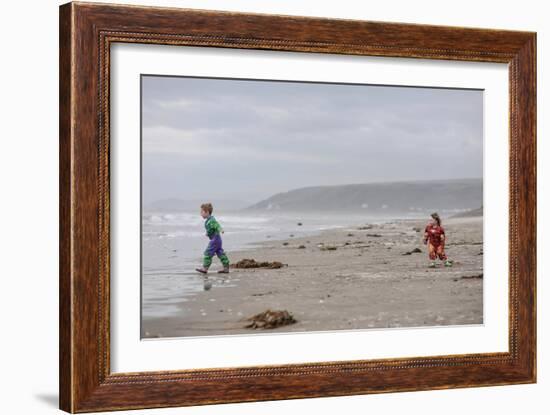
x,y
446,196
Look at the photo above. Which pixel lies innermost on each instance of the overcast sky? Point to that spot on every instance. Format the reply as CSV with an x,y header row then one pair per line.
x,y
242,139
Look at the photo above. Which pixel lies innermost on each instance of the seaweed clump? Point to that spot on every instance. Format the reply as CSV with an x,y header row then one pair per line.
x,y
252,263
270,319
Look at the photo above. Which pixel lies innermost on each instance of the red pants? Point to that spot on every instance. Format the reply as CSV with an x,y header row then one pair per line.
x,y
436,251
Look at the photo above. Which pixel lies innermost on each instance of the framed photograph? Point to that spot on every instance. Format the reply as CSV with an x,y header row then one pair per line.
x,y
258,207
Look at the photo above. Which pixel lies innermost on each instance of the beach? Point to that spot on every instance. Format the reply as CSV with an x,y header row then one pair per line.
x,y
361,276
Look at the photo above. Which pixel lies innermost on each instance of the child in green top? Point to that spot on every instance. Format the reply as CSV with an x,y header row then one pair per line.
x,y
213,232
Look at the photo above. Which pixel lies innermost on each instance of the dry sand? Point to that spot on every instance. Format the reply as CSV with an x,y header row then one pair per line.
x,y
366,282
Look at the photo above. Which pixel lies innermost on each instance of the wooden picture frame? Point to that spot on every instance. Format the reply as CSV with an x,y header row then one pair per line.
x,y
86,33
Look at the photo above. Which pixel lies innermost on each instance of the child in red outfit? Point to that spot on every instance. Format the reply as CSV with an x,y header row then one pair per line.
x,y
434,237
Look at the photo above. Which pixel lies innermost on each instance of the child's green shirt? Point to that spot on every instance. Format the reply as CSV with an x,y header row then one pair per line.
x,y
212,227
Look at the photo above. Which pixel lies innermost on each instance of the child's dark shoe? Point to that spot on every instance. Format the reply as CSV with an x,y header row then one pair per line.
x,y
225,270
202,270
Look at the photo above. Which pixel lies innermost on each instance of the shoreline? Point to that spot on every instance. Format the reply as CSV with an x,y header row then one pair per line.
x,y
365,280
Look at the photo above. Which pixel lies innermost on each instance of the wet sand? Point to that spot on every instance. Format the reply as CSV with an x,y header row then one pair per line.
x,y
365,282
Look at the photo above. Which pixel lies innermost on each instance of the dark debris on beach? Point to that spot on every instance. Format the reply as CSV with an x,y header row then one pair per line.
x,y
270,319
470,277
414,251
252,263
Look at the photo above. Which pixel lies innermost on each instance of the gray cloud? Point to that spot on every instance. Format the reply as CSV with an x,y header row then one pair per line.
x,y
212,138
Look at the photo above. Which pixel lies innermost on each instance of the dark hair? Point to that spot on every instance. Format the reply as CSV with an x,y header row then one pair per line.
x,y
437,218
207,207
